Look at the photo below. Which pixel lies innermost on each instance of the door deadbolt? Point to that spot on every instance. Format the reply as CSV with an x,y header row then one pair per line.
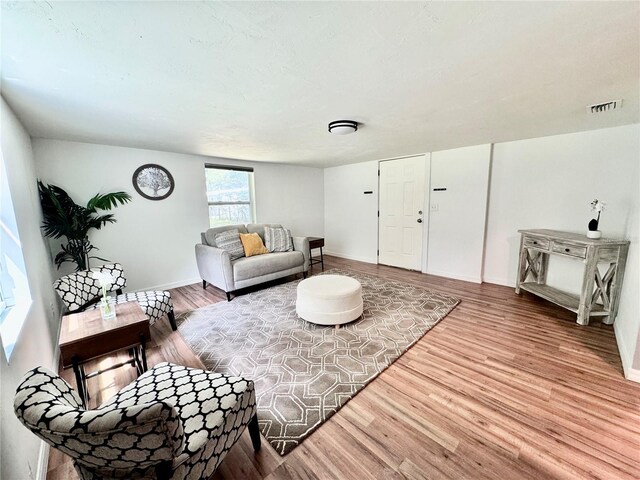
x,y
419,212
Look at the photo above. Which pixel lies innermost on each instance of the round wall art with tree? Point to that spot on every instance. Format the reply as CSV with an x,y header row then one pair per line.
x,y
153,182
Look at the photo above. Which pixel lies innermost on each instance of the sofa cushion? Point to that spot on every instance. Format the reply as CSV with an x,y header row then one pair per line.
x,y
252,244
252,267
230,241
259,228
209,237
277,239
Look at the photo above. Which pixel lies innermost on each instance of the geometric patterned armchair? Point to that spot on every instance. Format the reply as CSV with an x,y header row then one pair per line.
x,y
173,422
80,291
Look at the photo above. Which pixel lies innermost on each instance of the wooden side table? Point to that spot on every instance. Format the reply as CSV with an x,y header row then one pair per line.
x,y
316,242
600,293
85,336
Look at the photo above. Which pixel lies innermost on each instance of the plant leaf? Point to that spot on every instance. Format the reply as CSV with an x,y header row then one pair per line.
x,y
102,220
57,209
108,201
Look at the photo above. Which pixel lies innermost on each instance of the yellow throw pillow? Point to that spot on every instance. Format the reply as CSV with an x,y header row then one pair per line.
x,y
252,244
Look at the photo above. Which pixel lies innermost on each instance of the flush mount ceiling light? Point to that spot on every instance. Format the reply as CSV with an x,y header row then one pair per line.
x,y
343,127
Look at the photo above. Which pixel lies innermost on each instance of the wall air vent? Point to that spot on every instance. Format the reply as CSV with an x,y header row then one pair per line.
x,y
605,106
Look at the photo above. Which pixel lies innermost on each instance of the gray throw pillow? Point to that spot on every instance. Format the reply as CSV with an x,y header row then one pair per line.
x,y
229,240
277,239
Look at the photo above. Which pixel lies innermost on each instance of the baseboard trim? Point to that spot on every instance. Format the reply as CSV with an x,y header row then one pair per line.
x,y
454,276
167,286
630,373
633,375
43,461
349,257
498,281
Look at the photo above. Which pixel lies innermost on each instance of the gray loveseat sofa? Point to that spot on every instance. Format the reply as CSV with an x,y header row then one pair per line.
x,y
217,268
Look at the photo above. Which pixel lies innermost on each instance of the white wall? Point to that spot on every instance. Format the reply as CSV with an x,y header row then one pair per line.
x,y
21,449
628,319
154,240
548,183
291,195
351,217
537,183
457,215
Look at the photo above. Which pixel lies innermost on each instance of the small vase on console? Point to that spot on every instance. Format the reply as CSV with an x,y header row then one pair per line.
x,y
108,308
107,303
593,232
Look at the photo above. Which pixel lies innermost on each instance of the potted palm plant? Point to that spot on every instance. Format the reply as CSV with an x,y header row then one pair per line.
x,y
65,218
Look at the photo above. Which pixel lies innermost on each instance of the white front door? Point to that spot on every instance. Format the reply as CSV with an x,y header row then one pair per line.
x,y
400,230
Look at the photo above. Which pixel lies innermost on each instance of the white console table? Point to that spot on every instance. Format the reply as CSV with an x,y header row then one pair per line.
x,y
600,294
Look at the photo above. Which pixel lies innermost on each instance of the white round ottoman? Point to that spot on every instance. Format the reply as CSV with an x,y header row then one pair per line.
x,y
329,300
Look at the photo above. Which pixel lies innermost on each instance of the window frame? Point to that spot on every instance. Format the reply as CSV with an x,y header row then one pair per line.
x,y
15,299
3,305
236,168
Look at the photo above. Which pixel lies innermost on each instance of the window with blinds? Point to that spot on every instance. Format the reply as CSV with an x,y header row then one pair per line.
x,y
229,194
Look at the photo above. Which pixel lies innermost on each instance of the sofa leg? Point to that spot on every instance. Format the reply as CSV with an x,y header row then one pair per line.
x,y
305,274
204,284
254,432
172,320
228,296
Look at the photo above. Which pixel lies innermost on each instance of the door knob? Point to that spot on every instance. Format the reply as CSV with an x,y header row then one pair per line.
x,y
419,220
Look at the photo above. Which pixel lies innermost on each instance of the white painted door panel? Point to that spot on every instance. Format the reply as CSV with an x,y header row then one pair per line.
x,y
401,224
459,191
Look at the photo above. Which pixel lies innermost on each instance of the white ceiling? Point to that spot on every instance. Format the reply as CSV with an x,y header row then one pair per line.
x,y
260,81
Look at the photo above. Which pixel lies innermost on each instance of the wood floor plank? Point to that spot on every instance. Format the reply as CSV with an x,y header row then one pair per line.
x,y
506,386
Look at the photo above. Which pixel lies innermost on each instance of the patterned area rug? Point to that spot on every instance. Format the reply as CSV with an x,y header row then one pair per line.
x,y
304,373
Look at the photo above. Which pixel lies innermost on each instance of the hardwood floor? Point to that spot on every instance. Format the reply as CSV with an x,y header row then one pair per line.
x,y
505,387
